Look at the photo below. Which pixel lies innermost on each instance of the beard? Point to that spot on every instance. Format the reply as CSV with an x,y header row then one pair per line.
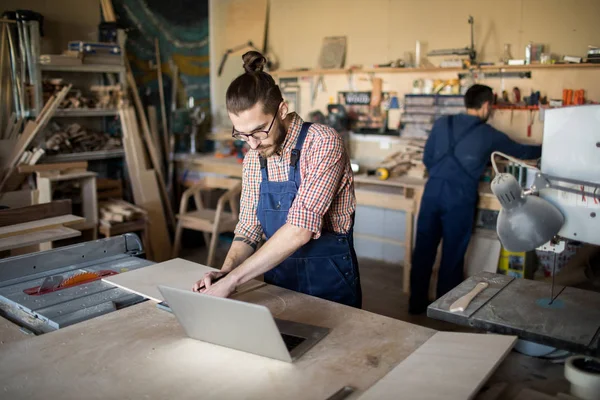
x,y
278,136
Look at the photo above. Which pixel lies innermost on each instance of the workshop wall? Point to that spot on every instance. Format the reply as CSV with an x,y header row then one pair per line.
x,y
380,31
63,20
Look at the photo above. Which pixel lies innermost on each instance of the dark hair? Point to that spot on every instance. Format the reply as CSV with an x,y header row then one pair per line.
x,y
253,86
477,95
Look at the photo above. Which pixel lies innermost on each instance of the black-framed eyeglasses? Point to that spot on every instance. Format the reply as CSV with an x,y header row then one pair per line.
x,y
258,135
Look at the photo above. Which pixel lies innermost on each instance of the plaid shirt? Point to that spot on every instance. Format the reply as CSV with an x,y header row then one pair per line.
x,y
325,200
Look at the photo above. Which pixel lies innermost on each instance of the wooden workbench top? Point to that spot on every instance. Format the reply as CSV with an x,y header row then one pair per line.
x,y
142,352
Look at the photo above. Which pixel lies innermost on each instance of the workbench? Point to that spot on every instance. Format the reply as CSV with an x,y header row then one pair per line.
x,y
142,352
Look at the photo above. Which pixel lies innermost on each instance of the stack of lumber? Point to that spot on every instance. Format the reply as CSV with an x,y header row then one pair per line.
x,y
13,153
408,161
72,138
116,211
41,223
97,97
148,186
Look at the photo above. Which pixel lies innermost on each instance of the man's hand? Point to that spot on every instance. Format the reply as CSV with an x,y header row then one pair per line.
x,y
207,280
223,288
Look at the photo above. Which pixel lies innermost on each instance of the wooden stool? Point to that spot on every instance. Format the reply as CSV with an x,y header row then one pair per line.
x,y
208,221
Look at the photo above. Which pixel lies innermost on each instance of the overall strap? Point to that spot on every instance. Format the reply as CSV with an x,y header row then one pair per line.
x,y
451,142
264,171
295,156
452,145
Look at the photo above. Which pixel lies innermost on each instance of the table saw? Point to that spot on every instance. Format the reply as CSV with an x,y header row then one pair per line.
x,y
43,292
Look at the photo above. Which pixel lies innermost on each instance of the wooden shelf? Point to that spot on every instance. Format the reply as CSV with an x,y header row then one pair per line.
x,y
83,68
384,70
85,156
86,112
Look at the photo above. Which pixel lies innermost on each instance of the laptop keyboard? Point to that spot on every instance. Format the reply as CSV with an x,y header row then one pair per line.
x,y
291,342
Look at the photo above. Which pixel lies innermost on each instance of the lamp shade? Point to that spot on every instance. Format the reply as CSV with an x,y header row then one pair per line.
x,y
525,222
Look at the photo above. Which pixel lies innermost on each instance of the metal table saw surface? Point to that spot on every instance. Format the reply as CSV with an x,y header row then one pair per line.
x,y
521,307
54,310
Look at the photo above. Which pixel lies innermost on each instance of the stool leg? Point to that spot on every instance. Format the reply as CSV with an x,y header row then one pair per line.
x,y
177,243
212,247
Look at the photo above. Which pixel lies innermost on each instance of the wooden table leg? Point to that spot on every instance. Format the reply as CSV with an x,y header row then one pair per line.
x,y
408,246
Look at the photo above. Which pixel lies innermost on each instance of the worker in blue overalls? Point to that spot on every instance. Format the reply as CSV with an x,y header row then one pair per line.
x,y
297,192
456,153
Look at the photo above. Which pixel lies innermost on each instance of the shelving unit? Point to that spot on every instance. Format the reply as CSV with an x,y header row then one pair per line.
x,y
117,71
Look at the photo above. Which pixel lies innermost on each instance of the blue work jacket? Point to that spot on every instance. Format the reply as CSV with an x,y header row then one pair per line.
x,y
459,148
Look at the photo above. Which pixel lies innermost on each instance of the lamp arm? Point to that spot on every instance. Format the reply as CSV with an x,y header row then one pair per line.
x,y
515,160
543,181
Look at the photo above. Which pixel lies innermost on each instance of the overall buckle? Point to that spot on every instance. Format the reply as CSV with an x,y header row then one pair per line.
x,y
294,157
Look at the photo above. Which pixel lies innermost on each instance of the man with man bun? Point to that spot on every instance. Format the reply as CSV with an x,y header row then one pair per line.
x,y
297,191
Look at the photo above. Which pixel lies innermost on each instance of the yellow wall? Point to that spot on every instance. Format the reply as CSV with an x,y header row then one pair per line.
x,y
379,31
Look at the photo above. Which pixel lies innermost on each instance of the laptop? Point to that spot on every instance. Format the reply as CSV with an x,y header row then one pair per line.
x,y
239,325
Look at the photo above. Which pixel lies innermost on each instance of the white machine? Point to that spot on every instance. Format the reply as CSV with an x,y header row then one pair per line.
x,y
568,186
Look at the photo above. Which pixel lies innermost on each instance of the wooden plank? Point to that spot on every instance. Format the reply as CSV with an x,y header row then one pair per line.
x,y
27,169
177,273
19,198
392,70
89,201
451,366
43,236
40,225
36,212
151,149
153,121
68,176
161,92
148,198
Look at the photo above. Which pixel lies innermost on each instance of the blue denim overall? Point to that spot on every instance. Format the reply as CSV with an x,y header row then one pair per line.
x,y
326,267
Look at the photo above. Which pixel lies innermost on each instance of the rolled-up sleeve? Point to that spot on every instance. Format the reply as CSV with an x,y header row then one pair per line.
x,y
248,224
319,185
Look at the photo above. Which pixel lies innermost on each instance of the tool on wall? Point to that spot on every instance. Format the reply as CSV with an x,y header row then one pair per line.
x,y
467,51
318,82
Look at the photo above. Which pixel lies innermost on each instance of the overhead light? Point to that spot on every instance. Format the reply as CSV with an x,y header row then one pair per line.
x,y
525,221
